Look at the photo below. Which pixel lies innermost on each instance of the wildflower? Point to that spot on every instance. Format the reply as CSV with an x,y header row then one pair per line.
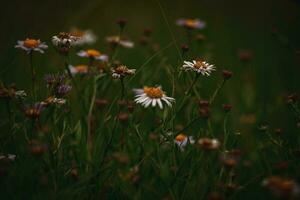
x,y
8,157
122,23
101,102
34,111
63,89
182,140
78,69
30,45
204,103
36,147
209,144
191,23
245,55
198,66
54,79
122,71
184,48
123,117
200,37
204,112
152,96
64,40
226,74
93,54
83,36
282,187
53,100
117,40
74,174
10,92
147,32
227,107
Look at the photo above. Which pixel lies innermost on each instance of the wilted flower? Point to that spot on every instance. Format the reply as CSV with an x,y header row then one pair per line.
x,y
122,71
191,23
182,140
184,48
152,96
209,144
282,187
30,45
93,54
34,111
198,66
83,36
117,40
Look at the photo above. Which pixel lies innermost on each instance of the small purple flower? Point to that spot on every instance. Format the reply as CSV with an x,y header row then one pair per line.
x,y
62,90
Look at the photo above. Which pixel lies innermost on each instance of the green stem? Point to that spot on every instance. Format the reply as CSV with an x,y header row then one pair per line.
x,y
220,86
32,75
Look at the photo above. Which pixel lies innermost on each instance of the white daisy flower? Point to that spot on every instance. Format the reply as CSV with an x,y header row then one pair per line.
x,y
64,40
10,157
84,36
191,23
122,71
198,66
20,94
94,54
30,45
117,40
182,140
152,96
78,69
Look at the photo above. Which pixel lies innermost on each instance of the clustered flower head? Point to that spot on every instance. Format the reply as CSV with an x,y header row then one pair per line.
x,y
116,40
181,140
198,66
34,111
63,42
93,54
152,96
122,71
83,37
191,23
29,45
10,92
57,86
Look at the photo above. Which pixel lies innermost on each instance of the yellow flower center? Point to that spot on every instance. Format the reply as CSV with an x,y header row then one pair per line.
x,y
200,65
190,23
81,68
180,138
121,69
153,92
31,43
93,53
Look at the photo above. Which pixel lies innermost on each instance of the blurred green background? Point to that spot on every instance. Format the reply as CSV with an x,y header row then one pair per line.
x,y
268,29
